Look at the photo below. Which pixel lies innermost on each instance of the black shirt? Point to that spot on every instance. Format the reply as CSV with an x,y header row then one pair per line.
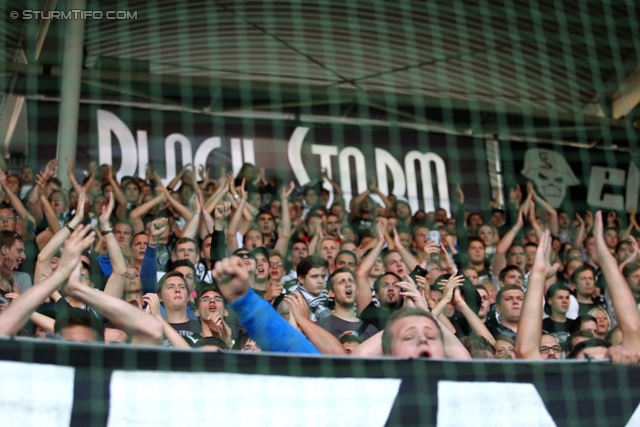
x,y
337,326
186,329
375,315
560,330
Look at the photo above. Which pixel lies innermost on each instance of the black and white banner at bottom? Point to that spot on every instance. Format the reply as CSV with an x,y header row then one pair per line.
x,y
58,384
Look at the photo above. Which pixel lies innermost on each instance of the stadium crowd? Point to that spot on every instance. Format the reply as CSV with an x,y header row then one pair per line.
x,y
244,263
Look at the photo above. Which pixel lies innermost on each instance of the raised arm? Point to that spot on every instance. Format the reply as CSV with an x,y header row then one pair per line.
x,y
14,200
364,270
282,244
115,283
47,209
236,219
533,220
580,234
184,211
553,214
190,229
121,210
138,213
43,264
338,195
13,319
267,328
621,296
499,258
72,176
153,308
322,339
373,186
530,324
171,185
407,256
453,348
208,222
354,208
477,325
218,196
142,327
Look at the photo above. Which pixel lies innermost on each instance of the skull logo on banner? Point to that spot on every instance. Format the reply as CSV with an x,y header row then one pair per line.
x,y
550,173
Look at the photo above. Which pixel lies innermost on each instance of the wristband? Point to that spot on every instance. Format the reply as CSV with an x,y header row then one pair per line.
x,y
105,232
71,230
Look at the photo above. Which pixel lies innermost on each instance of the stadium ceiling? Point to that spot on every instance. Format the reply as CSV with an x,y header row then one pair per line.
x,y
563,71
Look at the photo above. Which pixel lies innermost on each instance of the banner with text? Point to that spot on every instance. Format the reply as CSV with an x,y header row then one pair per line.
x,y
418,166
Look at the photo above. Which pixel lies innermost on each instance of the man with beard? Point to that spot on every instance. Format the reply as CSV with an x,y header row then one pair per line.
x,y
342,288
388,293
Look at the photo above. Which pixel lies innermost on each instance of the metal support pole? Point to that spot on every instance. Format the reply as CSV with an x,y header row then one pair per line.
x,y
70,91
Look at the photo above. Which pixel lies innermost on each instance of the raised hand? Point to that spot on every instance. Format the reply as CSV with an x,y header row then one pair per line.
x,y
373,185
448,286
588,219
219,327
106,212
299,307
93,169
242,189
274,290
232,278
158,227
79,216
446,263
515,195
459,193
286,192
396,238
80,240
232,185
41,181
222,210
52,168
153,304
521,214
411,294
432,247
542,263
